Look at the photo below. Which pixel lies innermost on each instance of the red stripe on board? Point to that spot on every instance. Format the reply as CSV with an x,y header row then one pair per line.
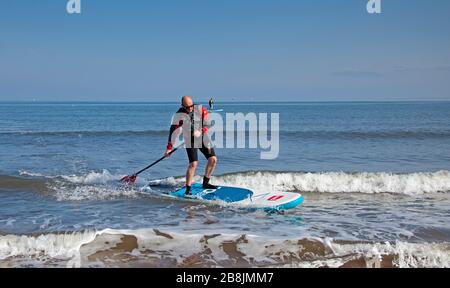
x,y
275,198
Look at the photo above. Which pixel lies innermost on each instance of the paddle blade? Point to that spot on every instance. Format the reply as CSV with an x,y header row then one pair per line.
x,y
129,180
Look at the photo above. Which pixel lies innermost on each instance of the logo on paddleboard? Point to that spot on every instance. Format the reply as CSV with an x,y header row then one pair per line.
x,y
275,198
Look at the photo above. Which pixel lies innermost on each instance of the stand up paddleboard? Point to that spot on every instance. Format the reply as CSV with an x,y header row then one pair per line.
x,y
244,197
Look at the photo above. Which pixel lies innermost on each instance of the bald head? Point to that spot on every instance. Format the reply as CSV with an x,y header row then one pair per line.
x,y
186,101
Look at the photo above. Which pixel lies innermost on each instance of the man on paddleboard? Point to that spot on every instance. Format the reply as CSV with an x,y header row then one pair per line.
x,y
211,103
191,120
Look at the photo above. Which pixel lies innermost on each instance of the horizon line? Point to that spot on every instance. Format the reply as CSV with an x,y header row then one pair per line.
x,y
224,102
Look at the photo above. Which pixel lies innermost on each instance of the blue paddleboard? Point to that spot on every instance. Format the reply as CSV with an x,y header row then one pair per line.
x,y
227,194
243,197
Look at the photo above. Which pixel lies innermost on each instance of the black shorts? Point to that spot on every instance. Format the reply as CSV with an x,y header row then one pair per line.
x,y
193,153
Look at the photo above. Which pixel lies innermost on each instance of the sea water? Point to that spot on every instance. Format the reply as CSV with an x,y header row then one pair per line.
x,y
375,176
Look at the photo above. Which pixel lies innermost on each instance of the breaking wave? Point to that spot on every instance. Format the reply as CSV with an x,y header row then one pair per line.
x,y
155,248
84,187
332,182
15,183
105,185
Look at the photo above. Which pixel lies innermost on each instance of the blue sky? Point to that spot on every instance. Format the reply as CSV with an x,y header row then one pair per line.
x,y
234,50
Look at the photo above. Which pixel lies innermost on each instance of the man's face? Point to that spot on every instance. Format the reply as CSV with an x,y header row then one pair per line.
x,y
188,104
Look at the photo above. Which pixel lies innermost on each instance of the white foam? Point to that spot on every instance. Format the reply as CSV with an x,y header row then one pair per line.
x,y
75,249
90,186
265,181
407,255
91,192
332,182
33,174
170,181
92,178
57,246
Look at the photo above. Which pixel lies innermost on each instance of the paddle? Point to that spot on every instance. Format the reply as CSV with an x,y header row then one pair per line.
x,y
129,180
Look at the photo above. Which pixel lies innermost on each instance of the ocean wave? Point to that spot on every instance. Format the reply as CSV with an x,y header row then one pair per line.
x,y
331,182
92,177
157,248
93,193
93,185
43,248
16,183
103,185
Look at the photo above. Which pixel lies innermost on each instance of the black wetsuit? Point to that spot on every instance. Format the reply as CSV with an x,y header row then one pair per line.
x,y
192,151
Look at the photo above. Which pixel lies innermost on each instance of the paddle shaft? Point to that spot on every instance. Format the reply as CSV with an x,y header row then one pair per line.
x,y
156,162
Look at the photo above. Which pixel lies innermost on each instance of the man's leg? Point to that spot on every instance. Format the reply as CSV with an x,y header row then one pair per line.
x,y
190,173
212,162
